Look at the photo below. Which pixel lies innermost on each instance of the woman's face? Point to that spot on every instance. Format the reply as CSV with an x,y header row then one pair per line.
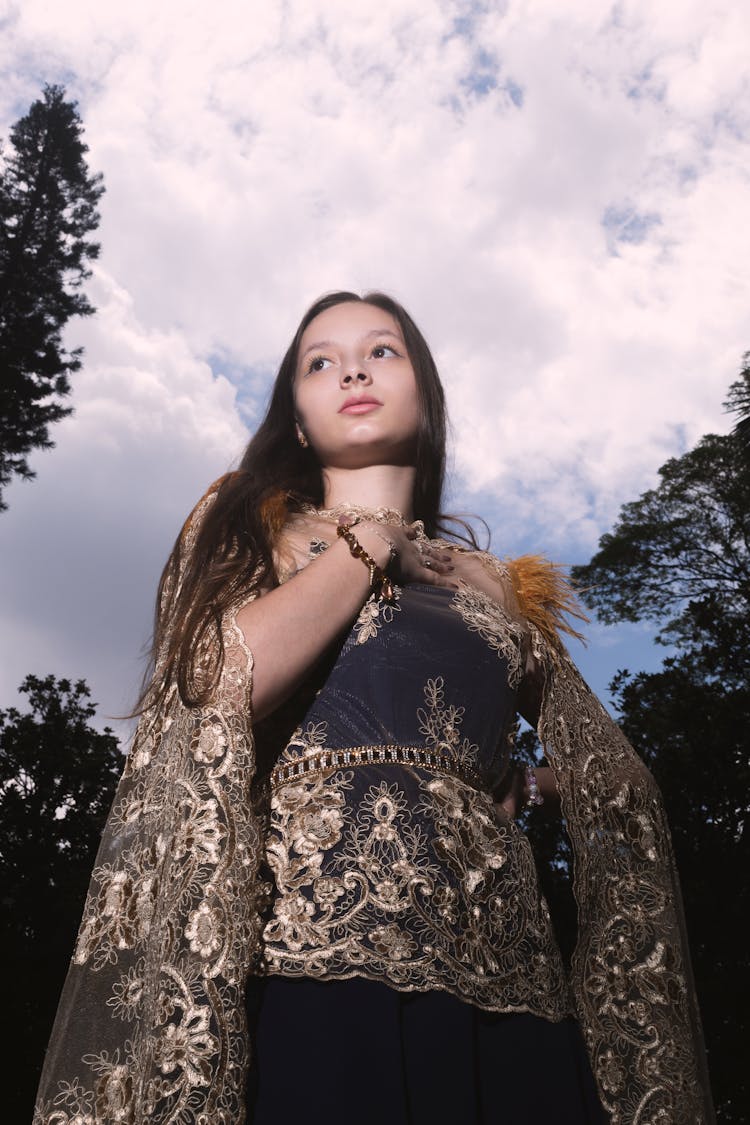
x,y
354,388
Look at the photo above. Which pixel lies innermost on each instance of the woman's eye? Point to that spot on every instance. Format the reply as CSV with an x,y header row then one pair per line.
x,y
317,363
380,349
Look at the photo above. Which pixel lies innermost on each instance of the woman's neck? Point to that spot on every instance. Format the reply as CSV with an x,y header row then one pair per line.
x,y
376,486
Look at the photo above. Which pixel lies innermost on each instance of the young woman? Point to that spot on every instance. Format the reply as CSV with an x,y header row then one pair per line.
x,y
311,865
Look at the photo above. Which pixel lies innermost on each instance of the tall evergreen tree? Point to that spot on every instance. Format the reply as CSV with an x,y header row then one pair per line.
x,y
48,210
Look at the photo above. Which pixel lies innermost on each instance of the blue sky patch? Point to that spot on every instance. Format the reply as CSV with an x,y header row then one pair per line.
x,y
625,223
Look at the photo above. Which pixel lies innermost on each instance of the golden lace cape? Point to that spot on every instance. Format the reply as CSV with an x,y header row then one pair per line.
x,y
151,1023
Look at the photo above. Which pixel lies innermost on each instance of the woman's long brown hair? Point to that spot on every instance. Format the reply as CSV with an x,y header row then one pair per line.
x,y
232,553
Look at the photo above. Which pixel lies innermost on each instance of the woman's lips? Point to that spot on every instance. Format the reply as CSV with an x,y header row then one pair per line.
x,y
360,407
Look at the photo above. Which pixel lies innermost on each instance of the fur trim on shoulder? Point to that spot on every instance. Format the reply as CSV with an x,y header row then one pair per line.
x,y
274,512
545,595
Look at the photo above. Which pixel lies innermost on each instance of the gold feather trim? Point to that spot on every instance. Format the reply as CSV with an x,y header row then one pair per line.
x,y
545,595
274,511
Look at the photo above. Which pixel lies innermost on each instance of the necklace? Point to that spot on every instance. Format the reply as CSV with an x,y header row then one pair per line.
x,y
358,511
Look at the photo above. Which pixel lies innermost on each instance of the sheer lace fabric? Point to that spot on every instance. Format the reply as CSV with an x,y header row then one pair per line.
x,y
151,1024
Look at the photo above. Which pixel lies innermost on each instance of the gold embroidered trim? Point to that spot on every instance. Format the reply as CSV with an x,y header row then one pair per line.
x,y
356,512
414,879
388,754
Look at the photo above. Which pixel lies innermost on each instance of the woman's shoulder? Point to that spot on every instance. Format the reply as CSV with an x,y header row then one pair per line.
x,y
535,588
545,595
199,510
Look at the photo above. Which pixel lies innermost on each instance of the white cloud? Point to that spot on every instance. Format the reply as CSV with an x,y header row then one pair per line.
x,y
557,194
83,546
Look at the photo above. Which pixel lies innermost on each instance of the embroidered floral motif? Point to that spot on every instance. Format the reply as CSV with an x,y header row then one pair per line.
x,y
327,890
204,930
315,829
440,723
487,617
611,1074
114,1095
390,941
210,743
408,876
127,993
374,613
199,829
187,1046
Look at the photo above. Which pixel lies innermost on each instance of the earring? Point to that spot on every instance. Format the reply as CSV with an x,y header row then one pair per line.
x,y
301,438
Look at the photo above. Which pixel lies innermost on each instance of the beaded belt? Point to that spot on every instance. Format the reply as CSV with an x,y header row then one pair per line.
x,y
375,755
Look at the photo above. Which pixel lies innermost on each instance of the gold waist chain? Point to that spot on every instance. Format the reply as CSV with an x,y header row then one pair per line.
x,y
320,760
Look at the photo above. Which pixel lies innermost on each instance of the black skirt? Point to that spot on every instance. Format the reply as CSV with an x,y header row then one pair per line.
x,y
357,1052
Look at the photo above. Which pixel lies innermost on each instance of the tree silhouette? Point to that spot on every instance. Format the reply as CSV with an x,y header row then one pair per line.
x,y
57,780
738,402
47,212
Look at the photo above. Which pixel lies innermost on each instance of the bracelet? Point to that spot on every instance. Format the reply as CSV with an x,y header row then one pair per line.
x,y
388,542
380,583
535,797
383,538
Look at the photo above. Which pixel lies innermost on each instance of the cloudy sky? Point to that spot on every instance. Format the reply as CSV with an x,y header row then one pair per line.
x,y
557,192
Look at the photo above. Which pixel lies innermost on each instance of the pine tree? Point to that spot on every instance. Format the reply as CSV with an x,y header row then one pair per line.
x,y
48,210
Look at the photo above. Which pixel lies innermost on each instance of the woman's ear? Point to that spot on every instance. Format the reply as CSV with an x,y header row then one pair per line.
x,y
300,436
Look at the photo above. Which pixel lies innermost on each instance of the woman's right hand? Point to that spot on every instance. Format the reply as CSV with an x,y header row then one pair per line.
x,y
292,625
416,560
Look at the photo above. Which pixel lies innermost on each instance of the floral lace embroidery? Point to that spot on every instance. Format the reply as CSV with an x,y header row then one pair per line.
x,y
170,925
630,971
374,613
440,724
483,615
441,894
411,877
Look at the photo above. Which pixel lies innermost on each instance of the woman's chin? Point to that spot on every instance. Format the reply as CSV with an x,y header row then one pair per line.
x,y
368,455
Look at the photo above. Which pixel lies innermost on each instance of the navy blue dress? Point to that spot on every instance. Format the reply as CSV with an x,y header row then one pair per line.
x,y
409,970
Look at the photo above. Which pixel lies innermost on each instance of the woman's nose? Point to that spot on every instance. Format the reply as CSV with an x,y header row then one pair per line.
x,y
355,374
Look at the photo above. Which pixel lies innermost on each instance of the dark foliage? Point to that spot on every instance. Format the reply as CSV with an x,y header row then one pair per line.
x,y
693,734
681,549
57,780
738,402
47,213
680,556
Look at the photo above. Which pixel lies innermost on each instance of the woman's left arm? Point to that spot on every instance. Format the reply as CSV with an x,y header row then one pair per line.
x,y
514,792
529,703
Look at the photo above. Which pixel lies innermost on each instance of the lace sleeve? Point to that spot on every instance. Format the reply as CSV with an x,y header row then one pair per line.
x,y
631,973
151,1024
